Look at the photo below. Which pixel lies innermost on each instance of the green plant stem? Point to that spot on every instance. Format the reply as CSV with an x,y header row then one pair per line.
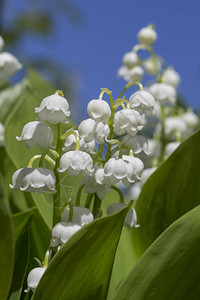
x,y
96,206
78,197
129,84
121,196
56,198
163,140
88,200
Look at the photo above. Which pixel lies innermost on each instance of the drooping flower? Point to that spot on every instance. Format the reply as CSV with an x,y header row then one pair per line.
x,y
163,92
147,35
81,215
143,102
62,232
131,59
38,180
36,133
75,162
53,109
131,218
127,121
170,76
152,66
86,128
101,132
34,278
137,143
9,65
99,110
170,148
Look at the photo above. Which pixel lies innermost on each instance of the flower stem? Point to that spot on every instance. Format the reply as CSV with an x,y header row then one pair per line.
x,y
78,197
88,200
121,196
96,206
56,199
163,141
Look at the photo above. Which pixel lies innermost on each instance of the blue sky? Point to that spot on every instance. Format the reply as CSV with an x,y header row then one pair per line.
x,y
93,50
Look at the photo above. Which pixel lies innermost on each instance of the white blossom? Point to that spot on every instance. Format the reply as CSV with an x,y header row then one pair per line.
x,y
191,119
81,215
137,143
70,142
131,218
163,92
34,278
38,180
137,164
101,132
2,130
170,76
99,110
143,102
62,232
75,162
175,125
9,65
54,109
87,147
1,43
147,35
127,121
86,129
170,148
151,66
135,73
131,59
135,190
36,133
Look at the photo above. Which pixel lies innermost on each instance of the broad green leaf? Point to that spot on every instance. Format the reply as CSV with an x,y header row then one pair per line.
x,y
171,191
83,266
6,245
170,267
21,222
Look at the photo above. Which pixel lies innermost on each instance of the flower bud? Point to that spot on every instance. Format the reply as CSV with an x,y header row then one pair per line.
x,y
135,73
147,35
170,76
163,92
99,110
131,59
36,133
53,109
9,65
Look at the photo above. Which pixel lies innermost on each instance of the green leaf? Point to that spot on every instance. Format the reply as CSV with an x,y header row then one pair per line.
x,y
22,245
171,191
170,267
83,266
6,245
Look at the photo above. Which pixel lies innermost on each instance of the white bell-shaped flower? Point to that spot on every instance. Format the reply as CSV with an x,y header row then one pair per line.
x,y
143,102
53,109
81,215
152,67
75,162
1,43
147,35
62,232
174,125
70,142
34,278
101,132
127,121
163,93
117,169
36,133
135,73
9,65
191,119
135,190
131,59
170,76
170,148
87,147
99,110
86,129
2,130
146,174
137,164
96,182
38,180
137,143
131,218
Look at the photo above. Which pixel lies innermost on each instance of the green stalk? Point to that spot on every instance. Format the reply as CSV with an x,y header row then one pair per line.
x,y
88,200
96,206
163,140
56,198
